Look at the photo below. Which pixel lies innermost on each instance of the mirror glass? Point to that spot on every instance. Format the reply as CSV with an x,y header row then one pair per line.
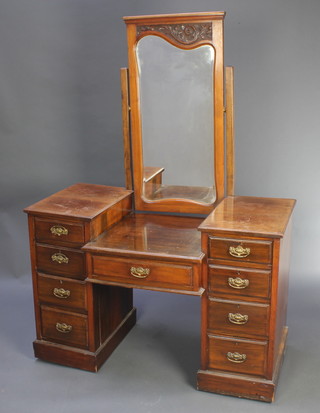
x,y
176,97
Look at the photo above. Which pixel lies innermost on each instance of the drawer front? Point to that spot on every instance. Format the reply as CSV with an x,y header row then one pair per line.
x,y
238,319
239,282
59,232
65,328
146,273
238,356
60,292
60,261
240,250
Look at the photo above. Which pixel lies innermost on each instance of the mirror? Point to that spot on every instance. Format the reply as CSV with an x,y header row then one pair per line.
x,y
176,150
176,103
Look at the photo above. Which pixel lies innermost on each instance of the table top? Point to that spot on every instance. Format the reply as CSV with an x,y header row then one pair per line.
x,y
84,201
250,215
152,235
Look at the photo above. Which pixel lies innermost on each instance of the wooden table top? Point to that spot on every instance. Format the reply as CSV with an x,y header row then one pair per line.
x,y
80,201
152,235
250,215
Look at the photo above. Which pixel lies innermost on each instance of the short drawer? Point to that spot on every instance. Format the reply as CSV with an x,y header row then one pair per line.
x,y
239,282
240,250
145,273
59,232
60,261
238,318
238,356
64,327
61,292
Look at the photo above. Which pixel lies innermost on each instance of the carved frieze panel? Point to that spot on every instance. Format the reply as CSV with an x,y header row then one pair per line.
x,y
182,33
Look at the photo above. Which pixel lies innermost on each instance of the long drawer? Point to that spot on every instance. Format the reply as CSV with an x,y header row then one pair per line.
x,y
64,327
144,273
62,292
239,319
239,282
60,261
238,356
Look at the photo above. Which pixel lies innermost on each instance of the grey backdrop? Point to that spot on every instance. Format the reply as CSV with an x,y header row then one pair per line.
x,y
60,123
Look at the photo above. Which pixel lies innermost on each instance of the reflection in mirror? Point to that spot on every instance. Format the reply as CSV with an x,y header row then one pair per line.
x,y
176,95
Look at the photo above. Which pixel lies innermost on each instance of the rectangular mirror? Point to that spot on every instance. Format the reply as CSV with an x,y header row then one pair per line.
x,y
176,84
176,100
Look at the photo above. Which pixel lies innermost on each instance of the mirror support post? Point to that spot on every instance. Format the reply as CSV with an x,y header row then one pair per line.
x,y
124,78
230,129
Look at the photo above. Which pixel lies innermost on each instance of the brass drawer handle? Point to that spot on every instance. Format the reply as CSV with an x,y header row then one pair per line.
x,y
139,272
238,318
61,293
64,328
60,258
58,230
238,283
239,251
236,357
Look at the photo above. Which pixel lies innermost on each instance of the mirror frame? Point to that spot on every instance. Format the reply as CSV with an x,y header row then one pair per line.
x,y
162,26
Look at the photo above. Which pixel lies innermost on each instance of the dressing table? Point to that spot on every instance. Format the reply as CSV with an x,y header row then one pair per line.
x,y
176,227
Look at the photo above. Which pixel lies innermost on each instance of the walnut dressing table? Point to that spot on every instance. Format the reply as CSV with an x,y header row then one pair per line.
x,y
91,245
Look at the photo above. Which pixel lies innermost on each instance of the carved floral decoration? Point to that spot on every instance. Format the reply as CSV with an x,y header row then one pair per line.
x,y
181,33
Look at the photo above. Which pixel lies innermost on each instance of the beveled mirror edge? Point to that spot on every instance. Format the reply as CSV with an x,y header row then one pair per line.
x,y
176,204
